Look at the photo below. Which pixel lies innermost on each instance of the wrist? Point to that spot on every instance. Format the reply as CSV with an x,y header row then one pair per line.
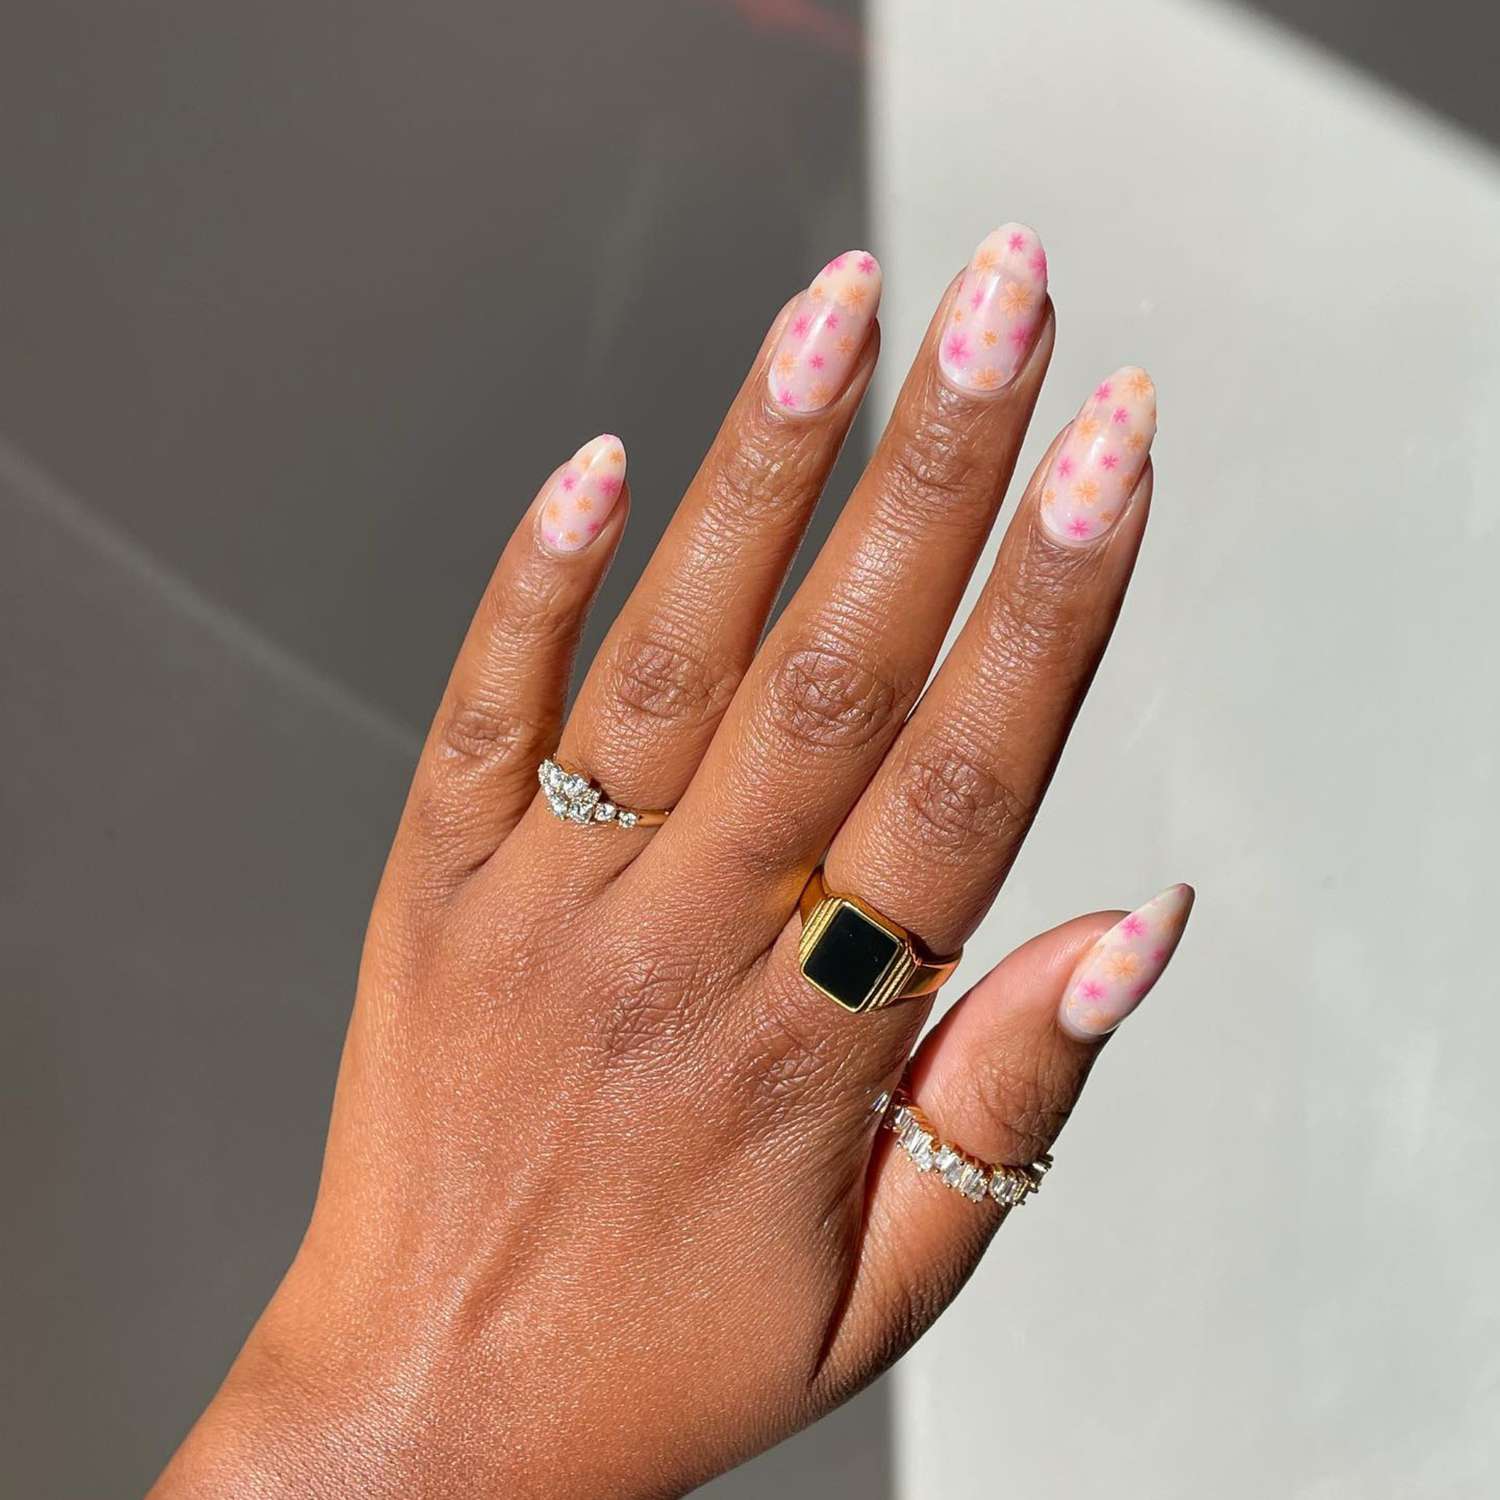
x,y
272,1431
328,1400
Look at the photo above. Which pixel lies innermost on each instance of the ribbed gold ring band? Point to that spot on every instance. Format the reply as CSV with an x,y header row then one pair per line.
x,y
857,956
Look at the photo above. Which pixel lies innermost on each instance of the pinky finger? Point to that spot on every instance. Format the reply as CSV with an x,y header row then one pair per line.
x,y
502,709
997,1077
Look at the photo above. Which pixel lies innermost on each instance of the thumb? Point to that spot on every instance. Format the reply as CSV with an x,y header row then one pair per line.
x,y
998,1077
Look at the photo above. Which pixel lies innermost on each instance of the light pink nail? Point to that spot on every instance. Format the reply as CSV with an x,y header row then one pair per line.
x,y
996,312
825,332
1096,469
583,494
1118,971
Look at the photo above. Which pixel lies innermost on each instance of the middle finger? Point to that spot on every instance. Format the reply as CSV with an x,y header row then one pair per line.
x,y
835,679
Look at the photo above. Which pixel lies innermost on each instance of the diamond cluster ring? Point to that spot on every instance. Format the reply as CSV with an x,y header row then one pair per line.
x,y
576,799
976,1180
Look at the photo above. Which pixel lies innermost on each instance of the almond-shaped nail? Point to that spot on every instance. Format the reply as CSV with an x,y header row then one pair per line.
x,y
825,332
582,494
1118,971
996,312
1095,470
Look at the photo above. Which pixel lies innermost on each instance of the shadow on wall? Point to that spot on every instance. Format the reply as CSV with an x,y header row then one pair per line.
x,y
1416,48
298,306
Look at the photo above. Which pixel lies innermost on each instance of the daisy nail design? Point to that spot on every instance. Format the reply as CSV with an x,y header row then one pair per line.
x,y
825,332
1119,970
1096,470
996,312
583,494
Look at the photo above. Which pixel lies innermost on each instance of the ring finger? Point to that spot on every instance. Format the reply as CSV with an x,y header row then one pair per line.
x,y
673,658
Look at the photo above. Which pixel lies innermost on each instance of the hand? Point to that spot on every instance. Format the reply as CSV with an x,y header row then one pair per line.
x,y
604,1208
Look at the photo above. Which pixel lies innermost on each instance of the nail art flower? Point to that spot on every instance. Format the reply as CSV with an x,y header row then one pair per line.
x,y
1100,461
583,494
827,328
1121,967
998,308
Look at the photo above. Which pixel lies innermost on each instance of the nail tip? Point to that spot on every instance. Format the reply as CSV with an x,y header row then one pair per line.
x,y
827,327
605,447
1124,964
858,263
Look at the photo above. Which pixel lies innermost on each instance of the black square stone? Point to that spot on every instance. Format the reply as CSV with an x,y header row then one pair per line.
x,y
850,957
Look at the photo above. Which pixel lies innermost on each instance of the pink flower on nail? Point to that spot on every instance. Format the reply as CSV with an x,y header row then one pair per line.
x,y
1110,461
831,321
1020,335
800,324
1091,989
1132,926
1065,466
1103,391
836,264
867,265
1017,241
816,361
570,481
608,486
1038,262
956,350
1079,526
1120,415
787,397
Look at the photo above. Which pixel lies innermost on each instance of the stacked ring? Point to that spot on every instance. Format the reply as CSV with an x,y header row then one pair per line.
x,y
575,799
976,1180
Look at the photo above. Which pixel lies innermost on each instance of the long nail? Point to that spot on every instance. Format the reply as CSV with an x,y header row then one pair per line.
x,y
997,311
1095,471
823,336
583,494
1118,971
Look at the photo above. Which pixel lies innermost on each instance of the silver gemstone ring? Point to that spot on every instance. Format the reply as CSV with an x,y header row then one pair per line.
x,y
576,799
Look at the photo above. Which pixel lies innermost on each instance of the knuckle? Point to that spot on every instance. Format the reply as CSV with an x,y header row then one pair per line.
x,y
788,1055
823,698
1027,1099
750,483
534,610
652,994
655,676
1037,649
1043,611
472,729
954,800
929,466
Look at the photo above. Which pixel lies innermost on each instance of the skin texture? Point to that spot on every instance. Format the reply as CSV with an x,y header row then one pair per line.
x,y
604,1209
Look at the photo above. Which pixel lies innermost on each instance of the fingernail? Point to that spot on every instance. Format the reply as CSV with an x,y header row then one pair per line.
x,y
583,494
823,336
997,311
1118,971
1095,471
